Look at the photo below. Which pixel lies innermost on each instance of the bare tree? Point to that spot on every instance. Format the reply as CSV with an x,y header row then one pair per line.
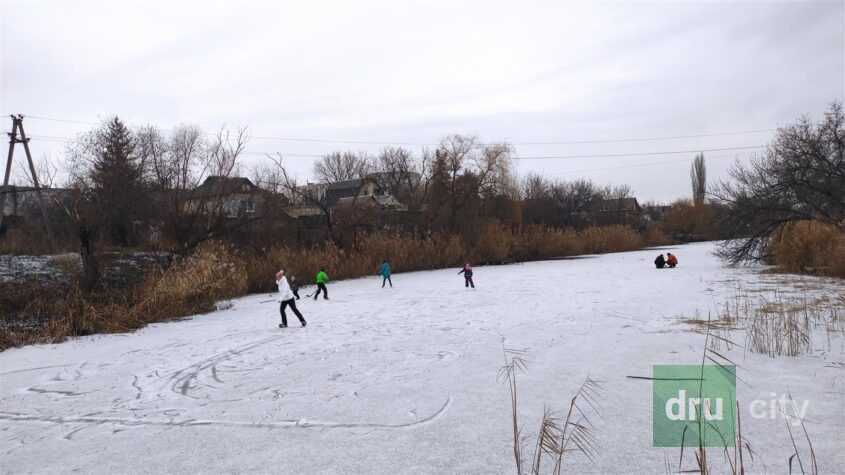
x,y
698,179
403,175
187,144
269,178
225,150
82,210
535,187
342,166
616,192
800,177
576,198
494,167
152,151
457,150
308,195
46,169
178,164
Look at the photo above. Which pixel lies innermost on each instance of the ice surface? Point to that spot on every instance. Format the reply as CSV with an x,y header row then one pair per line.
x,y
403,380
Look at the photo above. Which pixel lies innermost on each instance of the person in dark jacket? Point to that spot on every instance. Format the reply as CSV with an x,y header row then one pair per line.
x,y
660,262
467,272
294,286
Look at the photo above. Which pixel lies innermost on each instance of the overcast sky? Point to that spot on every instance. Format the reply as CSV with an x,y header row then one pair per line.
x,y
412,72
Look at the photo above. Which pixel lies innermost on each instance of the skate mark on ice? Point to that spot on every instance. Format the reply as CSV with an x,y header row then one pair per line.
x,y
56,391
137,387
183,379
281,424
26,370
70,434
214,374
77,373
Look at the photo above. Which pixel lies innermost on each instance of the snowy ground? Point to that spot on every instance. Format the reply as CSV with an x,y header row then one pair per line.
x,y
404,379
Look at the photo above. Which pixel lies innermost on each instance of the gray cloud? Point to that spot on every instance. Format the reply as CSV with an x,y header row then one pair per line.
x,y
415,71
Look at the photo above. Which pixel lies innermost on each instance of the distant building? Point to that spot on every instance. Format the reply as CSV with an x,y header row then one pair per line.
x,y
233,197
22,201
617,211
352,190
385,202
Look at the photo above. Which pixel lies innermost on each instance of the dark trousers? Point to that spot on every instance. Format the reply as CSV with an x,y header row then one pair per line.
x,y
292,303
324,289
468,281
295,292
386,278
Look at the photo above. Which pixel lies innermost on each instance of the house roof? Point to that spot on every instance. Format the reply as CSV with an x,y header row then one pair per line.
x,y
617,204
224,185
353,184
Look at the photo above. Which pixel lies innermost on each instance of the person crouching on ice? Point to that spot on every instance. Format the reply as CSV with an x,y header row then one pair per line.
x,y
286,297
671,260
467,272
384,272
660,262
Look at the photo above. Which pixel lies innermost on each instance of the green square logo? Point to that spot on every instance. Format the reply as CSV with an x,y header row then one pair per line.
x,y
693,404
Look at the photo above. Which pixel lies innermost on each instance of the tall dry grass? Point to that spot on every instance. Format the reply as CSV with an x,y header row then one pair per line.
x,y
496,245
557,437
193,285
404,254
810,246
773,324
217,271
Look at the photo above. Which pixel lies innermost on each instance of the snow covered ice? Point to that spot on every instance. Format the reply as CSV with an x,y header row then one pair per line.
x,y
403,380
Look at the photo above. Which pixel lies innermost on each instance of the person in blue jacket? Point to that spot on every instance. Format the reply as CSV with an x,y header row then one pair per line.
x,y
384,272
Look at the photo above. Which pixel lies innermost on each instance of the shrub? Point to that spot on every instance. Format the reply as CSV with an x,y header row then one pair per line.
x,y
216,272
656,236
193,285
494,244
616,238
810,246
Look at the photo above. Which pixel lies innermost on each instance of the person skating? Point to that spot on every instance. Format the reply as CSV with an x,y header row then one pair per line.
x,y
294,286
660,262
321,280
384,272
467,272
286,296
671,260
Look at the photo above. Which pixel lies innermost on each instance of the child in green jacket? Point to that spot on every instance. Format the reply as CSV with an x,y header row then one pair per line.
x,y
321,280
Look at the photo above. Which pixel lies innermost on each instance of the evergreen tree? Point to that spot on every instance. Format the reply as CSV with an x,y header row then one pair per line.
x,y
698,179
116,179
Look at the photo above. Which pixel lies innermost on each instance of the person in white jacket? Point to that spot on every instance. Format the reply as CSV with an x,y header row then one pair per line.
x,y
286,297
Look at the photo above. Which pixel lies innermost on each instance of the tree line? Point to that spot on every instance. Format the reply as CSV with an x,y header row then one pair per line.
x,y
125,181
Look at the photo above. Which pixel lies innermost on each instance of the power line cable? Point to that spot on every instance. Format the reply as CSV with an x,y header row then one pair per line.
x,y
637,154
399,143
517,157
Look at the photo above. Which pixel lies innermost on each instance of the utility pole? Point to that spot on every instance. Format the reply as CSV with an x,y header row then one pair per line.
x,y
17,129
